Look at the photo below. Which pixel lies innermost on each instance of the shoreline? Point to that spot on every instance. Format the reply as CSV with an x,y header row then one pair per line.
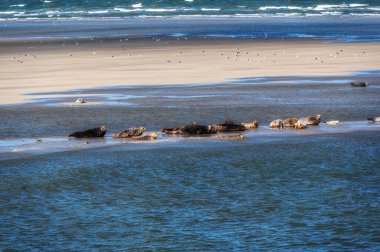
x,y
346,28
126,95
229,18
62,65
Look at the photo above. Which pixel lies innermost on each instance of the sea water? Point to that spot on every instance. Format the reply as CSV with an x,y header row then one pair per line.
x,y
53,9
315,190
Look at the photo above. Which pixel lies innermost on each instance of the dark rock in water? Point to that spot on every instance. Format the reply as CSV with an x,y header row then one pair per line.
x,y
359,84
193,129
227,127
130,132
96,132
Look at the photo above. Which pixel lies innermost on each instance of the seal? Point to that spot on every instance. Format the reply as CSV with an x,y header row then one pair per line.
x,y
95,132
130,132
234,137
147,137
192,129
80,100
374,119
173,131
276,124
251,125
227,126
332,123
291,122
313,120
359,84
299,125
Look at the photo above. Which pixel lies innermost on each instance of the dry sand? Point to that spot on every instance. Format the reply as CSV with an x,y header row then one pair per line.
x,y
48,66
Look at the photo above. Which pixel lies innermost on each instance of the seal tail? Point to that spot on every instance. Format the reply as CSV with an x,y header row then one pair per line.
x,y
370,119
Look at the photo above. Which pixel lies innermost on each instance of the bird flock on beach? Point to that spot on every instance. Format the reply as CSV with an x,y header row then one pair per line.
x,y
233,54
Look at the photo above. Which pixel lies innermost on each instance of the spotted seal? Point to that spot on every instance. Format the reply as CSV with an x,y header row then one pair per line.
x,y
95,132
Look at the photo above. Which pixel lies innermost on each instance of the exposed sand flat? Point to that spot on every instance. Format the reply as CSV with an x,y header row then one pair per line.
x,y
62,143
48,66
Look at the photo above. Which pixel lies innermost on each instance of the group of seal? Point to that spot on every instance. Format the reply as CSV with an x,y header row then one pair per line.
x,y
133,133
293,122
197,129
213,129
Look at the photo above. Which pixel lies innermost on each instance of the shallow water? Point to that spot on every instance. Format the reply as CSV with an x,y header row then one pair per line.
x,y
311,193
349,28
314,190
158,107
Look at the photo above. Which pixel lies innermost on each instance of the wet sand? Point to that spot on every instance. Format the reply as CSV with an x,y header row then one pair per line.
x,y
60,65
16,148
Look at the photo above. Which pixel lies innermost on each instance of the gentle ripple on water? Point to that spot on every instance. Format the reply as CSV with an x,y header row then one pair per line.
x,y
316,193
312,190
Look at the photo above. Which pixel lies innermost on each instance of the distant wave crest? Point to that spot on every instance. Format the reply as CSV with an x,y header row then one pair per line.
x,y
50,9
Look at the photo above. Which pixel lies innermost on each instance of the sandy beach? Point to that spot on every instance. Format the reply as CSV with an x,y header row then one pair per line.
x,y
56,65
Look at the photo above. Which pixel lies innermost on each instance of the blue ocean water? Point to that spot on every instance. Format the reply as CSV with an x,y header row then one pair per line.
x,y
350,29
53,9
266,193
313,193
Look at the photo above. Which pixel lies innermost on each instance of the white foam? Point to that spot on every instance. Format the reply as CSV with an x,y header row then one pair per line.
x,y
8,12
126,10
189,1
210,9
358,5
264,8
17,5
159,10
294,14
98,12
313,15
138,5
146,10
331,13
366,14
30,15
322,7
